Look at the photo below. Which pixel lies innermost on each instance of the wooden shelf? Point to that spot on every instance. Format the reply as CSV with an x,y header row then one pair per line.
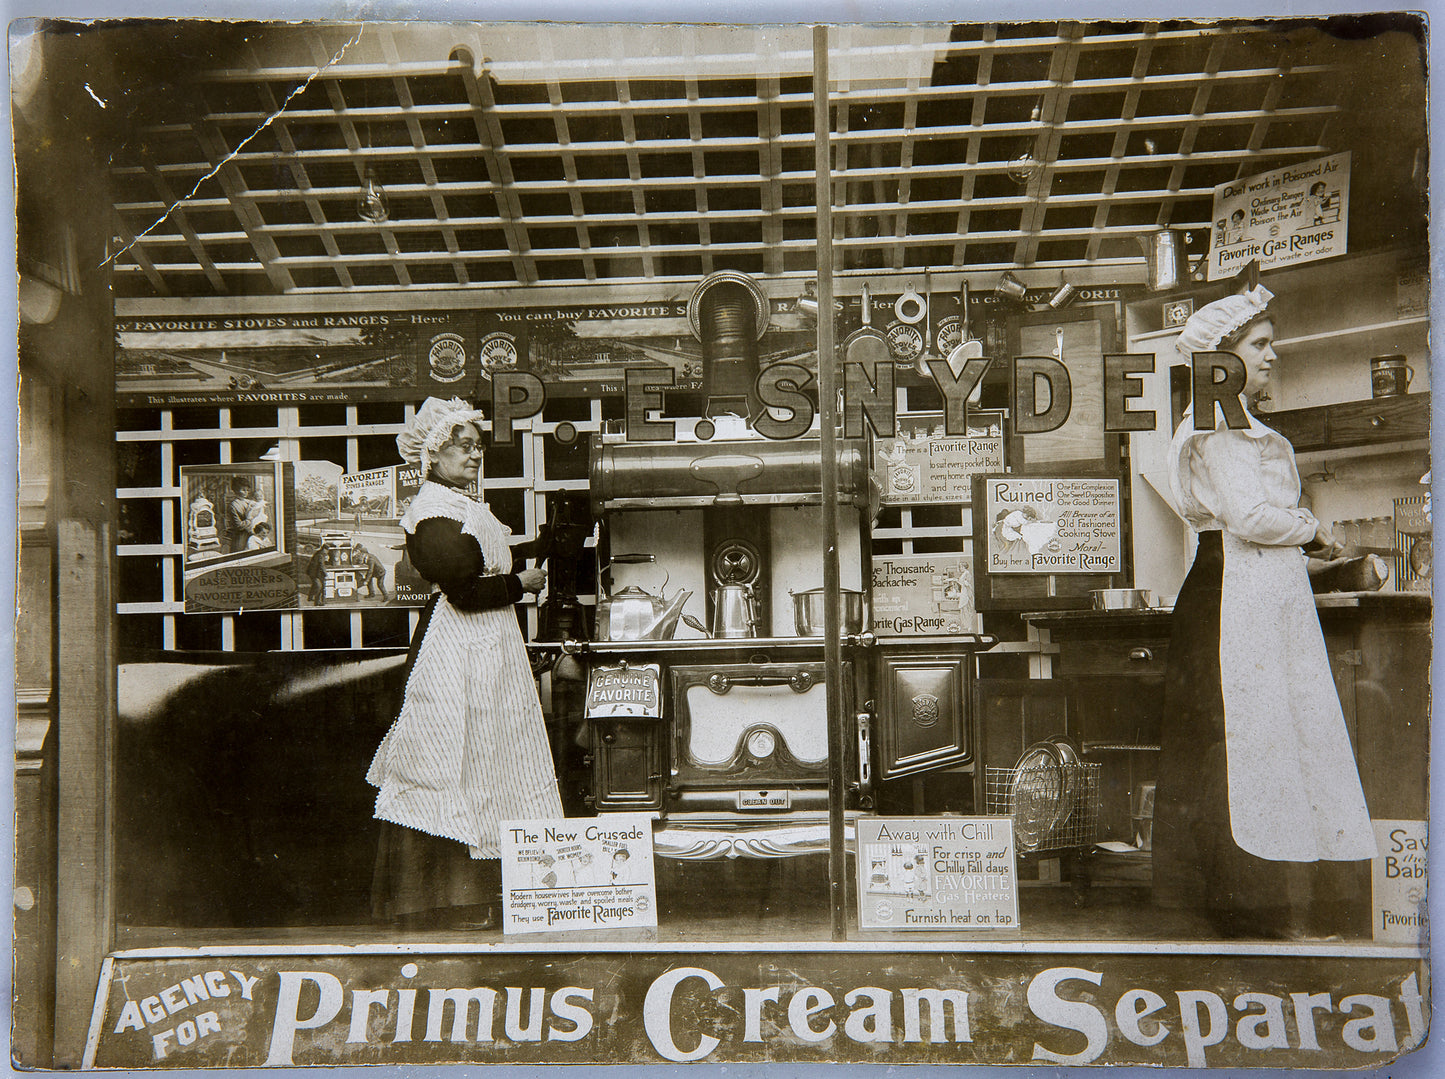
x,y
1379,421
1422,321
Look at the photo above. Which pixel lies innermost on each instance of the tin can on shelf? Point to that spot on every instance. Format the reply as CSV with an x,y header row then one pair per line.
x,y
1390,376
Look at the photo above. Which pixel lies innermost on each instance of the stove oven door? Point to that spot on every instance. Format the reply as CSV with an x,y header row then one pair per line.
x,y
752,737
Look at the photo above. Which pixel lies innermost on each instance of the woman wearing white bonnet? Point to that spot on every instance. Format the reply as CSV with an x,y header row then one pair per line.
x,y
469,748
1257,791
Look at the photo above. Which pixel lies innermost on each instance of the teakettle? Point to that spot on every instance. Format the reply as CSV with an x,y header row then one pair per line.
x,y
630,614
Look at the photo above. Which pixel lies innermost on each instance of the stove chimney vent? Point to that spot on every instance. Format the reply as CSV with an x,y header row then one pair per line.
x,y
729,314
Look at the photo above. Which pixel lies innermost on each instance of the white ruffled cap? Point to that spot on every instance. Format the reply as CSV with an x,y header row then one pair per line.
x,y
1215,321
434,423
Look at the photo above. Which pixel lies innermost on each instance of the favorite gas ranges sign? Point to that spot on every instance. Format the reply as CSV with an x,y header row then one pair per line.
x,y
578,874
1057,525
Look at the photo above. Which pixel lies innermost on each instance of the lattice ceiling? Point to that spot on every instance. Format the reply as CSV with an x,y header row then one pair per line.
x,y
523,154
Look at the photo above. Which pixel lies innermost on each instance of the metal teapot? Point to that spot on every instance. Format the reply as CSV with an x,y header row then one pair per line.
x,y
1166,258
734,611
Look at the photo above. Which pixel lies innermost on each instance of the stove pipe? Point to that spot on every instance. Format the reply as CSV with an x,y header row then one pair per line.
x,y
729,313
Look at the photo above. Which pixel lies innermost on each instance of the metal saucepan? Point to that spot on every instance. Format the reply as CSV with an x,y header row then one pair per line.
x,y
866,345
808,611
1120,599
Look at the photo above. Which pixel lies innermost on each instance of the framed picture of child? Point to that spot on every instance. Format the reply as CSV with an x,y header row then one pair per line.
x,y
235,518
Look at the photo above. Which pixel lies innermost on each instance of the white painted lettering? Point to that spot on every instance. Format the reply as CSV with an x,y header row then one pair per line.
x,y
1045,1002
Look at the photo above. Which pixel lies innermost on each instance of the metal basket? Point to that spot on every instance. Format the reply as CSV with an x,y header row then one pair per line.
x,y
1052,808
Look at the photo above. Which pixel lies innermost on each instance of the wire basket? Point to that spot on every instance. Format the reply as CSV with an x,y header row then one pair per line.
x,y
1053,807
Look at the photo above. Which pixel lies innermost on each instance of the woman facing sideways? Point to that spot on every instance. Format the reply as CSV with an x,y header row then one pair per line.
x,y
469,748
1258,789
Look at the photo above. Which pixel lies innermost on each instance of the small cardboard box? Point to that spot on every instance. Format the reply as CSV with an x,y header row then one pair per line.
x,y
923,594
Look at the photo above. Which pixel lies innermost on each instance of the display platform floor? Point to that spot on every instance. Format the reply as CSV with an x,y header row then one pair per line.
x,y
783,901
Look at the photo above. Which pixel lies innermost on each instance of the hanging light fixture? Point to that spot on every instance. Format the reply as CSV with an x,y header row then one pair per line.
x,y
1023,164
371,201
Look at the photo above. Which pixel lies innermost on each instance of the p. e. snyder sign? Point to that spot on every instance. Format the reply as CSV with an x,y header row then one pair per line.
x,y
635,1006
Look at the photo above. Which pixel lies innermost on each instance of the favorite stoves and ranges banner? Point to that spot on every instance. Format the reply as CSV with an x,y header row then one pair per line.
x,y
574,349
877,1005
348,358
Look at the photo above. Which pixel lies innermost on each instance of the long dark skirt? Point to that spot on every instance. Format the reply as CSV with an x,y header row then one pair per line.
x,y
422,879
1196,861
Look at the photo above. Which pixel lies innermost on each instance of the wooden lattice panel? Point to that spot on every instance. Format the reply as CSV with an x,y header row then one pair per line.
x,y
520,155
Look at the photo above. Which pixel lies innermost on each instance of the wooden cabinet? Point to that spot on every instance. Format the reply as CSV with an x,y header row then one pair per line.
x,y
1111,666
1379,648
1014,713
1106,694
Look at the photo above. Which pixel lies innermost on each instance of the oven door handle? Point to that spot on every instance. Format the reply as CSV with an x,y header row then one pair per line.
x,y
865,742
800,681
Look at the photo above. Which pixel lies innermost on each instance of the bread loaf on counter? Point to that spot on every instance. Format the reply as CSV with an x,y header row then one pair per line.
x,y
1367,573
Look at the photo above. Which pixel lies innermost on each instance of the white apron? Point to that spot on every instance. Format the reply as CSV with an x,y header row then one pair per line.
x,y
469,748
1294,789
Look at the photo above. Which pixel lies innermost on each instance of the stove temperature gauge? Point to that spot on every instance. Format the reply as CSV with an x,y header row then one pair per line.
x,y
762,743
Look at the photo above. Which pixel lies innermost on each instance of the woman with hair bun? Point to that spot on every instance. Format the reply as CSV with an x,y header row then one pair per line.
x,y
1258,790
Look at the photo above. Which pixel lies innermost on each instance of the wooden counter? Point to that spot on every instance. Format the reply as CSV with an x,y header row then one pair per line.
x,y
1109,673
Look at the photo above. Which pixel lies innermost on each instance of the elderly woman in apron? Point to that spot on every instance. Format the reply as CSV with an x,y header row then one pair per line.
x,y
469,748
1258,789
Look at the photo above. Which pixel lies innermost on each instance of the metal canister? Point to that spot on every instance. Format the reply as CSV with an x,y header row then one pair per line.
x,y
1390,376
1166,259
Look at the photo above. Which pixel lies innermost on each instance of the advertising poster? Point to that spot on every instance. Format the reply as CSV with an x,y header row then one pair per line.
x,y
409,586
923,465
917,595
578,874
240,537
350,543
1052,525
581,350
1296,214
1399,878
937,873
272,359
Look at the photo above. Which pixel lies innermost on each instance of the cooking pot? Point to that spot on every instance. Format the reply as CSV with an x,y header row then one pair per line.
x,y
1120,599
808,611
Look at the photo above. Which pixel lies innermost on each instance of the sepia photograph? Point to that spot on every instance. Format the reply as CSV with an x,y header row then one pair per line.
x,y
640,543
